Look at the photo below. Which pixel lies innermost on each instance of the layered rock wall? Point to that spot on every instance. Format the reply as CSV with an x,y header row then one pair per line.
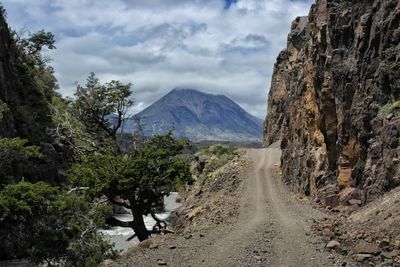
x,y
334,101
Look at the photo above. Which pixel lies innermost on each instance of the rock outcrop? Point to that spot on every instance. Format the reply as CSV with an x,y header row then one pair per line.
x,y
335,101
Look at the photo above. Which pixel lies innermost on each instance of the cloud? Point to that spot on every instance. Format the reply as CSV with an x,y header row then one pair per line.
x,y
218,46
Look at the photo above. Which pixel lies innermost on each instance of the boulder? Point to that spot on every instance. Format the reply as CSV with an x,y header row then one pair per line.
x,y
333,244
366,248
361,257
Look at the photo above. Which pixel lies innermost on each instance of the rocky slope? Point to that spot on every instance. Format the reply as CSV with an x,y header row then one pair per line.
x,y
335,102
198,116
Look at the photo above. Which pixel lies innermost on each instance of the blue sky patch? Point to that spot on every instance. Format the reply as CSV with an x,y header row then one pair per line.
x,y
228,3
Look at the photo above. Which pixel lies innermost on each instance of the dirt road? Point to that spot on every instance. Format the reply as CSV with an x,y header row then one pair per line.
x,y
273,228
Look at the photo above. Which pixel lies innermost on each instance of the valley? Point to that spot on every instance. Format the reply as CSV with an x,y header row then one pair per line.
x,y
86,166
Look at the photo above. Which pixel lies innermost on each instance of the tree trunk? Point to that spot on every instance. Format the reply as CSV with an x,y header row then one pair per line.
x,y
138,223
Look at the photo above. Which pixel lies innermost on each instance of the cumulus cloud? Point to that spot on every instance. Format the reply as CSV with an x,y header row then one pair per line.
x,y
222,47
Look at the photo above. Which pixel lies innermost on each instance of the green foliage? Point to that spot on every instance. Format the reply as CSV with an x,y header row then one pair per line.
x,y
141,177
90,251
38,41
218,155
218,150
69,130
95,102
45,225
388,108
15,157
31,85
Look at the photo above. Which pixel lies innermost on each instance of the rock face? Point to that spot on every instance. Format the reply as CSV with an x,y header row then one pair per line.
x,y
28,104
199,117
334,101
27,114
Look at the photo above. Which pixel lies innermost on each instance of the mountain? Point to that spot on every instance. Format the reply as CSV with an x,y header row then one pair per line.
x,y
335,101
198,116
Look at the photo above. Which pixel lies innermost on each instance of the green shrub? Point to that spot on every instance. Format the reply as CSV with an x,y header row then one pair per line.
x,y
218,150
15,158
388,108
46,225
219,156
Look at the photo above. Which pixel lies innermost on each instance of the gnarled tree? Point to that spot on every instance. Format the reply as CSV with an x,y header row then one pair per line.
x,y
143,178
102,107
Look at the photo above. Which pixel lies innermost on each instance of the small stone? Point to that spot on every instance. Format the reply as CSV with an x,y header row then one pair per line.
x,y
188,236
333,244
153,246
394,253
390,255
389,116
198,193
397,244
327,232
161,262
107,263
355,202
201,235
384,243
257,257
362,257
172,247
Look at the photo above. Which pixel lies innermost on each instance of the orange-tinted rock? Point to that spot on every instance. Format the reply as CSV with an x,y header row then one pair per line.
x,y
344,177
328,90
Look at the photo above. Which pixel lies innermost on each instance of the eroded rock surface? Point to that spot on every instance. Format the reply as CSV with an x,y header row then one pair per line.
x,y
335,101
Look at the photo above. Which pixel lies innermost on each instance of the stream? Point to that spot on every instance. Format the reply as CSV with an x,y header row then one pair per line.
x,y
118,235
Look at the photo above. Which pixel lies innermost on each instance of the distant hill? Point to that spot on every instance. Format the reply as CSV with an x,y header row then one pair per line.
x,y
198,116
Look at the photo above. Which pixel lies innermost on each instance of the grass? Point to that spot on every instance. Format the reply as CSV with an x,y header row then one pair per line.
x,y
388,108
218,150
219,156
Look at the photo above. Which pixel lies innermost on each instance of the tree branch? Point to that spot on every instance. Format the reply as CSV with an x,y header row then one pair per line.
x,y
131,237
123,204
77,188
115,222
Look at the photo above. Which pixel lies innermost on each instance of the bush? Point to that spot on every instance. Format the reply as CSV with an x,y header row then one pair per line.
x,y
15,157
44,225
218,150
219,156
388,108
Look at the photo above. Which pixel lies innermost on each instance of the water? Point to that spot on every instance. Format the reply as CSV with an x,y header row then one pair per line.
x,y
118,235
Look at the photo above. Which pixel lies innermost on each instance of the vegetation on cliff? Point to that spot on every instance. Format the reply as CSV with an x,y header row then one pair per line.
x,y
61,166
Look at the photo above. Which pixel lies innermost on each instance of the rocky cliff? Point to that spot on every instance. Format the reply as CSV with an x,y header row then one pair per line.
x,y
334,101
26,92
20,90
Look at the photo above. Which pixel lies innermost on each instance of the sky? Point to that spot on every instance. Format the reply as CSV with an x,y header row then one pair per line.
x,y
224,47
